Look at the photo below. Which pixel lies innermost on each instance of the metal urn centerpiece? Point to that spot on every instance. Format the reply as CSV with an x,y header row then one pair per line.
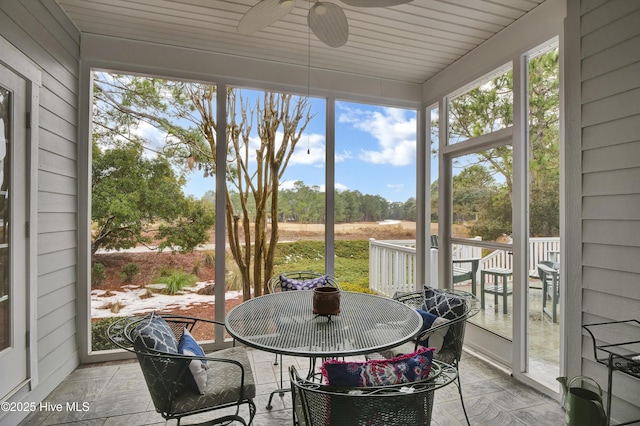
x,y
326,301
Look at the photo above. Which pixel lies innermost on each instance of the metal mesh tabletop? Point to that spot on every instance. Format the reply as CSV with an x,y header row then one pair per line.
x,y
284,323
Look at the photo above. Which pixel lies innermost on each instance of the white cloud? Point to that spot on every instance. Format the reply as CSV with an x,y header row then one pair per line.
x,y
398,187
310,150
396,136
349,115
341,187
392,128
287,185
343,156
156,138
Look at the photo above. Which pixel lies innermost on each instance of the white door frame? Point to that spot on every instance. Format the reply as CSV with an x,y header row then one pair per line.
x,y
20,64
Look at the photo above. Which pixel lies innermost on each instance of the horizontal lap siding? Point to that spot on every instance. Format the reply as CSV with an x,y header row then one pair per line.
x,y
627,207
612,232
40,30
610,64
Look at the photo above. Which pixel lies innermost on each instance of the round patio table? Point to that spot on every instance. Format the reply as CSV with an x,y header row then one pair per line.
x,y
284,323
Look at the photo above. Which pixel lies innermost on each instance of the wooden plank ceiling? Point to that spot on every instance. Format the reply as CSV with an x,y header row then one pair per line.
x,y
408,43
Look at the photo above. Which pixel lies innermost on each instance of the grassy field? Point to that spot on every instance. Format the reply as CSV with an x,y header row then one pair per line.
x,y
351,261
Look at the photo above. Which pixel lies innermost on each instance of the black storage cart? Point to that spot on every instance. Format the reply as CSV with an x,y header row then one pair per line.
x,y
616,344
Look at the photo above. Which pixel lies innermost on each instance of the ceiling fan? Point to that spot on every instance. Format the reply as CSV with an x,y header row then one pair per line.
x,y
327,20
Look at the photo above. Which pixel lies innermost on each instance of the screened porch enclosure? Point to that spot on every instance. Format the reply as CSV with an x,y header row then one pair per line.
x,y
412,57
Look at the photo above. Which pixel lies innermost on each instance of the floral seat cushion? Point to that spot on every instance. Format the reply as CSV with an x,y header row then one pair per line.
x,y
405,368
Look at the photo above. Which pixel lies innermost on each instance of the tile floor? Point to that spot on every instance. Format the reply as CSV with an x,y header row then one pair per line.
x,y
543,334
116,394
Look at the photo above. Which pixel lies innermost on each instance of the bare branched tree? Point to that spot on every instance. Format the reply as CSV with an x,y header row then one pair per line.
x,y
253,170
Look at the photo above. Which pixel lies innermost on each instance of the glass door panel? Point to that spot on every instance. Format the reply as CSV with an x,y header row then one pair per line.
x,y
375,197
481,213
544,315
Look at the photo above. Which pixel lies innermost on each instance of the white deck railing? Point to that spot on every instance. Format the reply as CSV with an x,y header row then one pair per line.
x,y
392,266
392,263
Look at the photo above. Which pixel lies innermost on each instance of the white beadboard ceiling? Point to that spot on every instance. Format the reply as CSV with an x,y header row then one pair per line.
x,y
408,43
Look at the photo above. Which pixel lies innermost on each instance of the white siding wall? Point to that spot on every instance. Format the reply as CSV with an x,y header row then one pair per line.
x,y
610,121
40,31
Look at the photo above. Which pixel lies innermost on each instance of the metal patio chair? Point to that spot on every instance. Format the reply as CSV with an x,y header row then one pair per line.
x,y
451,351
230,381
317,404
275,285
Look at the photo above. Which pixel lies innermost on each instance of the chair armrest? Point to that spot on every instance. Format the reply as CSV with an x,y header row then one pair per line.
x,y
475,262
429,331
414,299
119,333
191,321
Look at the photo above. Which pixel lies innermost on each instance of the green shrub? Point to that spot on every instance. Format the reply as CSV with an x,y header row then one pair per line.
x,y
98,274
357,287
99,339
300,251
351,261
129,271
176,281
165,271
352,249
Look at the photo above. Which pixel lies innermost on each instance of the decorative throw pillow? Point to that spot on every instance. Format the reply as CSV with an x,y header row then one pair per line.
x,y
434,339
443,304
189,346
402,369
288,284
154,333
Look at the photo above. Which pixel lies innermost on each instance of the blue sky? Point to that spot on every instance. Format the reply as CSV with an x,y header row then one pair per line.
x,y
375,152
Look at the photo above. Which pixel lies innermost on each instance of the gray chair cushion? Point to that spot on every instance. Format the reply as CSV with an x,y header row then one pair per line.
x,y
222,382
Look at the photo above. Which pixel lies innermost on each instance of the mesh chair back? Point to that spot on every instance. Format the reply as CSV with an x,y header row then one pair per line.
x,y
169,379
165,377
323,405
451,351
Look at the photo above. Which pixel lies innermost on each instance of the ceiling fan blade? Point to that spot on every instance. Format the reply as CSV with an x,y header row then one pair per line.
x,y
329,23
374,3
264,14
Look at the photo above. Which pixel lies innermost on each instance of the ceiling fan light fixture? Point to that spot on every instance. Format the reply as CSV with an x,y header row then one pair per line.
x,y
285,3
321,9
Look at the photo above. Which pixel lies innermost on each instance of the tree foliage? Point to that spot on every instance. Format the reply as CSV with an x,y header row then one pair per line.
x,y
132,194
305,204
186,114
488,108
